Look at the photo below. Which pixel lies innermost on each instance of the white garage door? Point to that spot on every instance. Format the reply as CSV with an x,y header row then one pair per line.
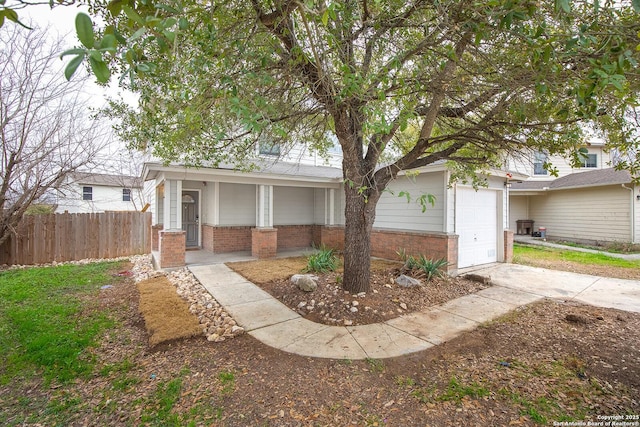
x,y
476,226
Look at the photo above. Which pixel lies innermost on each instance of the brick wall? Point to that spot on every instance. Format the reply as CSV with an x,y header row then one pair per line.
x,y
264,242
386,244
226,239
172,246
155,236
295,236
508,246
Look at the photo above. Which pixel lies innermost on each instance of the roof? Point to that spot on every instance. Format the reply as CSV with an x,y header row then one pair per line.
x,y
124,181
594,178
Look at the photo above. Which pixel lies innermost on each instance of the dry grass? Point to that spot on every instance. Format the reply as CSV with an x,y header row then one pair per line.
x,y
166,315
264,271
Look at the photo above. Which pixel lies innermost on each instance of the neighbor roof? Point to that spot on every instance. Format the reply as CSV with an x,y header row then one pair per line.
x,y
594,178
123,181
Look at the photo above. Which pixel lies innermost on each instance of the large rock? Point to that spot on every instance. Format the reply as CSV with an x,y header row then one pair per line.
x,y
305,282
407,282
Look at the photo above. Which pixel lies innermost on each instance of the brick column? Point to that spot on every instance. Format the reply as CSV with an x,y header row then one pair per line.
x,y
264,242
172,248
508,246
155,236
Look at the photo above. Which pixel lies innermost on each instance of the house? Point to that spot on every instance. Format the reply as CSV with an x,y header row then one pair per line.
x,y
285,205
592,203
85,192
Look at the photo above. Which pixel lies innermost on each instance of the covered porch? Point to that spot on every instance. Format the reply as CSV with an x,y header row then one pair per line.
x,y
215,211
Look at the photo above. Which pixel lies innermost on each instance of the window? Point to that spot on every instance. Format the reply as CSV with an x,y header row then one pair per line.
x,y
539,159
126,194
269,148
589,160
87,193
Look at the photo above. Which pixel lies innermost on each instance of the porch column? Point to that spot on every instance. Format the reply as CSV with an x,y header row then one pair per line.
x,y
264,238
330,218
172,244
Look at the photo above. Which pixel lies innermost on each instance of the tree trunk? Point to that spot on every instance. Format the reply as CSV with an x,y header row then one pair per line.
x,y
359,216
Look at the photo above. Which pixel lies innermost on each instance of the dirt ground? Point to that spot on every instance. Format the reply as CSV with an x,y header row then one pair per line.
x,y
552,361
331,305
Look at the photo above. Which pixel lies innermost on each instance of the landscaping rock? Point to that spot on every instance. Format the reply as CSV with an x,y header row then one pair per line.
x,y
407,282
305,282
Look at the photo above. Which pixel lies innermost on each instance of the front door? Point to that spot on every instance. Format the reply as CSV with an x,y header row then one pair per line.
x,y
190,219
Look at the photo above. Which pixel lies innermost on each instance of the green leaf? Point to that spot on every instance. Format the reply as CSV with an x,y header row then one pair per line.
x,y
563,5
76,51
183,24
109,42
636,5
325,17
72,66
138,34
100,69
115,7
84,29
133,15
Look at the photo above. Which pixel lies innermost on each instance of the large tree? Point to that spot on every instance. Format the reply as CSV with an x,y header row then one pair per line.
x,y
398,84
45,128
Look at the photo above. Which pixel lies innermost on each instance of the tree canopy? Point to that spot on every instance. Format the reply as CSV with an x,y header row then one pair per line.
x,y
398,84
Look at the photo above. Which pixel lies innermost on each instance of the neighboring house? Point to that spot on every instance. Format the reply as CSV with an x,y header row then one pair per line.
x,y
291,205
85,192
593,203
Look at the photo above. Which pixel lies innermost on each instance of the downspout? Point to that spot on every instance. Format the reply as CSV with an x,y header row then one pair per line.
x,y
633,214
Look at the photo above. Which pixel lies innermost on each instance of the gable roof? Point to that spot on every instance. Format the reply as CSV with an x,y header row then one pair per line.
x,y
594,178
124,181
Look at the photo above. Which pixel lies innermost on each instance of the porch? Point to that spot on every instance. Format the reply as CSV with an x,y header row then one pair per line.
x,y
196,257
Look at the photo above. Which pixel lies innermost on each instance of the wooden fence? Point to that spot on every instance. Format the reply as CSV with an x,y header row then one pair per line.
x,y
63,237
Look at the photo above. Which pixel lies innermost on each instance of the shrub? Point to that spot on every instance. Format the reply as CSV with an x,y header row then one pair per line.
x,y
323,261
429,267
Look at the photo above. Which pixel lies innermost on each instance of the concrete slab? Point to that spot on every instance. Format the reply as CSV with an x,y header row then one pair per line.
x,y
511,296
380,341
334,342
477,308
237,293
216,275
258,314
433,325
285,334
546,283
614,293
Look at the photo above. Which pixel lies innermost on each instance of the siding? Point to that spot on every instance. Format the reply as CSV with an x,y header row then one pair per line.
x,y
518,209
293,206
394,212
586,214
237,204
105,198
525,166
636,208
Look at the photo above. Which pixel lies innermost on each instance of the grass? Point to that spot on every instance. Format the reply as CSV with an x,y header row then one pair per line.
x,y
523,254
323,261
46,322
615,247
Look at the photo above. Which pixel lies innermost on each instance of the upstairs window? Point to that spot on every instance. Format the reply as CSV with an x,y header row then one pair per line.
x,y
126,194
539,159
269,149
589,160
87,193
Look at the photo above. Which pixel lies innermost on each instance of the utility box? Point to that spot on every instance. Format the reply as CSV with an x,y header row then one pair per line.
x,y
524,227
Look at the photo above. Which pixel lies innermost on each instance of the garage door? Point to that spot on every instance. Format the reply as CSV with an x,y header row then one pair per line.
x,y
476,226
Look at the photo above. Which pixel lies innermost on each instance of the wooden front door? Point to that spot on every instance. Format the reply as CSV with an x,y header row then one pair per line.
x,y
190,219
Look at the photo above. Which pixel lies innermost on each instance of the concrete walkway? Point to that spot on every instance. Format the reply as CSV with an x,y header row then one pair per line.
x,y
273,323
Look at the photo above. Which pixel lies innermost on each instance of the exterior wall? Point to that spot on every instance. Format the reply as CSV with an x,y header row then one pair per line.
x,y
518,209
387,243
508,246
293,205
105,198
155,236
226,239
300,153
636,212
524,164
594,214
264,242
295,236
237,204
393,211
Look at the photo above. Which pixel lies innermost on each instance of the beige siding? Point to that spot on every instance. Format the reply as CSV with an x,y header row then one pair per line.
x,y
636,211
524,164
395,212
293,206
237,204
518,209
587,214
